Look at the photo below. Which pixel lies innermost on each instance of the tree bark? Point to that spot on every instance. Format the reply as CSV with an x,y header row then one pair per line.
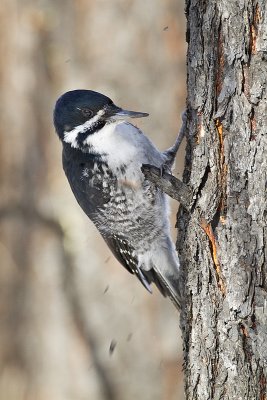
x,y
222,241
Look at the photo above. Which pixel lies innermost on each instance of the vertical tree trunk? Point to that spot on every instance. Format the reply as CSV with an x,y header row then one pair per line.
x,y
222,242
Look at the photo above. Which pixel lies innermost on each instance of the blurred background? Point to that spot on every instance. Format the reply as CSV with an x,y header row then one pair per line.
x,y
74,324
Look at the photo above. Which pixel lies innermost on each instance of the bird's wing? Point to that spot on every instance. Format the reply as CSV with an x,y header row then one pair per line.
x,y
125,255
86,186
91,195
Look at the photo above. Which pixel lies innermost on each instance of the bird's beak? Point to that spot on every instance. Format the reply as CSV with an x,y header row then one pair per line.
x,y
130,114
118,113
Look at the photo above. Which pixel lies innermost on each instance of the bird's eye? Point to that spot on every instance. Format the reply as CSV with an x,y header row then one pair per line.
x,y
86,112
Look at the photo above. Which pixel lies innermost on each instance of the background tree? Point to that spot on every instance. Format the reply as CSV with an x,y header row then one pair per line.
x,y
223,239
65,303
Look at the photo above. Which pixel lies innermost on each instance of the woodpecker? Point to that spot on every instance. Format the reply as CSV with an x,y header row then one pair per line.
x,y
102,158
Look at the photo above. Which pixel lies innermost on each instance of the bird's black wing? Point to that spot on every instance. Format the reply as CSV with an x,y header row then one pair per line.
x,y
82,170
125,255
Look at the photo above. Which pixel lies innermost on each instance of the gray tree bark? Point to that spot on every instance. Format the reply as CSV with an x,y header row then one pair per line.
x,y
222,241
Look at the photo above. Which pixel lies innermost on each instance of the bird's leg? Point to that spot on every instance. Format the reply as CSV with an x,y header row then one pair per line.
x,y
171,152
165,168
163,178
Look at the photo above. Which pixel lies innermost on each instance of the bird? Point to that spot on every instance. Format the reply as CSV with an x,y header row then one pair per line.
x,y
102,156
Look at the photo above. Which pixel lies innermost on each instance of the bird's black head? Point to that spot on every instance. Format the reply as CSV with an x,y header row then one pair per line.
x,y
76,107
87,110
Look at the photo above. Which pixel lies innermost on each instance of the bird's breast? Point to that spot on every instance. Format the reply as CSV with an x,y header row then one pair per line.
x,y
119,144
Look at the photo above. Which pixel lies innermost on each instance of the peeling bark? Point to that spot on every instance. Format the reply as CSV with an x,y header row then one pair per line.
x,y
222,241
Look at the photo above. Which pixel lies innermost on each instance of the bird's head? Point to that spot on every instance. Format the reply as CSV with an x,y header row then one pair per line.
x,y
84,112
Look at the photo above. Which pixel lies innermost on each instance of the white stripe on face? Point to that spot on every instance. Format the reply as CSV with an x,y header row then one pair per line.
x,y
71,136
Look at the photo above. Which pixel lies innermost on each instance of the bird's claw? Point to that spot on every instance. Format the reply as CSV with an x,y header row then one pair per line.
x,y
165,168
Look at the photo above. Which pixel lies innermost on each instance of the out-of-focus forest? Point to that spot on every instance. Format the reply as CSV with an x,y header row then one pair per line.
x,y
74,324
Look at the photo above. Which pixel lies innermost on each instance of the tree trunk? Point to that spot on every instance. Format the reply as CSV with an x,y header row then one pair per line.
x,y
222,241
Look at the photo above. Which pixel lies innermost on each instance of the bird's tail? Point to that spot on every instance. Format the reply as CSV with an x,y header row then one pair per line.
x,y
168,286
165,273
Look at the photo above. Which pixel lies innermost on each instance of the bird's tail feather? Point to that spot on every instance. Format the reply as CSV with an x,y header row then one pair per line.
x,y
168,286
165,266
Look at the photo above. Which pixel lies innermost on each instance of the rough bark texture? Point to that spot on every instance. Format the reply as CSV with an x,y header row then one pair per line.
x,y
222,243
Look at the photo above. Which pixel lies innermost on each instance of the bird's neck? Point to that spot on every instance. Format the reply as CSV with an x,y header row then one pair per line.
x,y
116,144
